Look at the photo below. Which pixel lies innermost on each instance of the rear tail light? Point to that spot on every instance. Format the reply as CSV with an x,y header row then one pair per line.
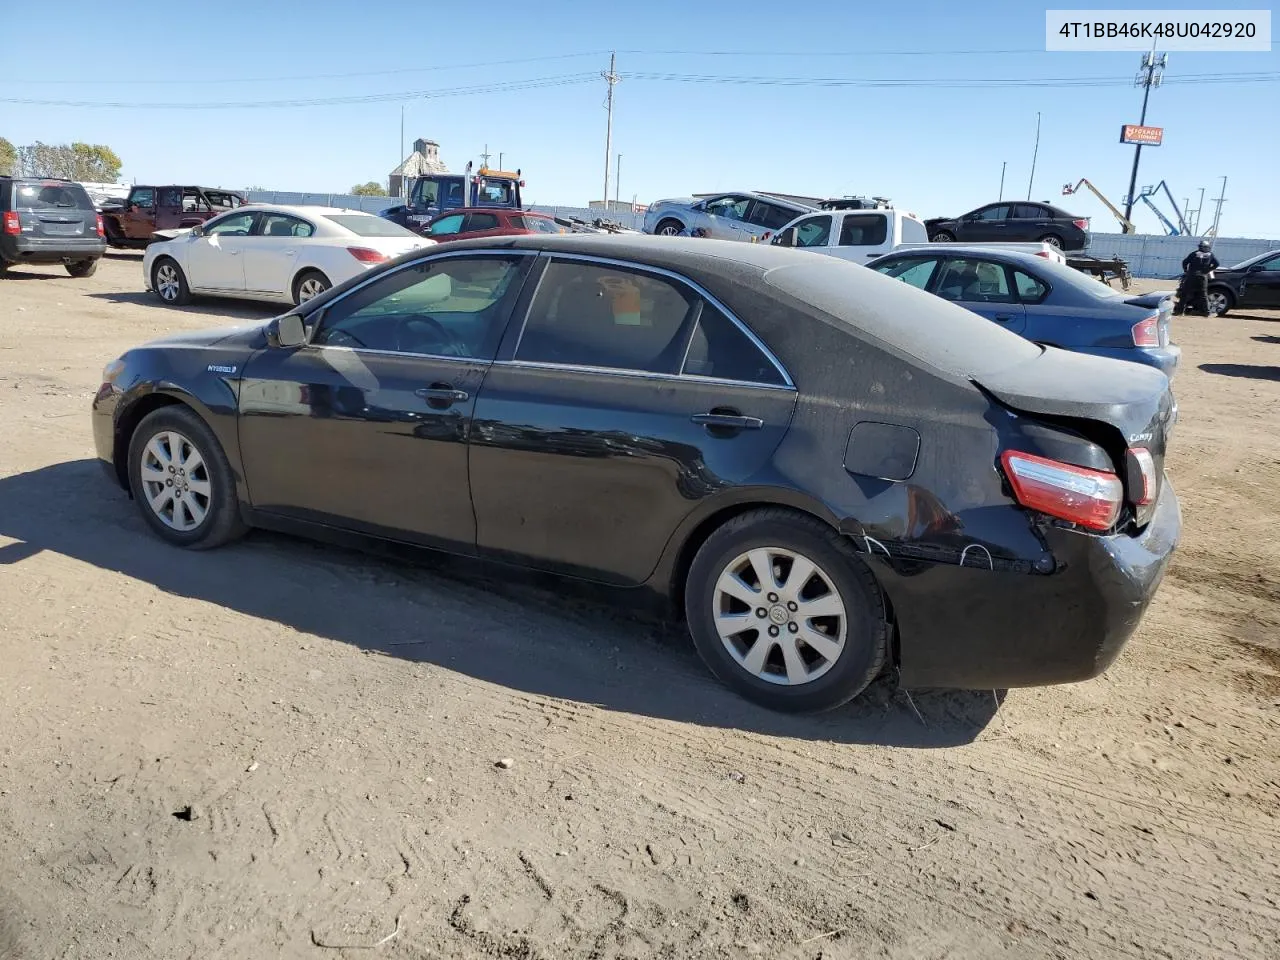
x,y
102,230
1146,333
1144,483
1082,224
11,222
365,255
1090,498
1044,253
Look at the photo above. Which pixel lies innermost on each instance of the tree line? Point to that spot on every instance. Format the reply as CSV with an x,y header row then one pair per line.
x,y
89,162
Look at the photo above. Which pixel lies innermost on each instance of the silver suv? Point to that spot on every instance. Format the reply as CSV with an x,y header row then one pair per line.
x,y
725,216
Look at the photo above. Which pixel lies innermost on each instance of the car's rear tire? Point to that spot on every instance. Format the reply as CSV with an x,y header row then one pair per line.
x,y
181,480
808,662
1052,239
82,268
668,228
308,285
1221,301
169,283
942,236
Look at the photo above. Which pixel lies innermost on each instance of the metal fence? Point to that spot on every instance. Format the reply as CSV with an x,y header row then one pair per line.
x,y
1149,255
1160,257
378,204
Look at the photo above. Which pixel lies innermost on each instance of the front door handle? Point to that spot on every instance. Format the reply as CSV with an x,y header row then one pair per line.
x,y
727,421
1004,317
441,395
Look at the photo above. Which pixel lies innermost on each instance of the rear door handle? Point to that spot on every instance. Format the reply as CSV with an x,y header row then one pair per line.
x,y
732,421
442,395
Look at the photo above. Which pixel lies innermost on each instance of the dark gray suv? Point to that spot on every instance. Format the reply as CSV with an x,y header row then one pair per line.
x,y
43,220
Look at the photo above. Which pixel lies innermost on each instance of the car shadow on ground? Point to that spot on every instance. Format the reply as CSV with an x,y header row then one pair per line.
x,y
1267,338
539,635
1246,370
213,306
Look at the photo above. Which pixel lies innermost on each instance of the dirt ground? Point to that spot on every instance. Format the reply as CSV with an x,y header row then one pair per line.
x,y
282,749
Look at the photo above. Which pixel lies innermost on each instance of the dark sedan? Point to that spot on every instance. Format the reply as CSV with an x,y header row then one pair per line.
x,y
827,471
1022,222
1251,285
1043,300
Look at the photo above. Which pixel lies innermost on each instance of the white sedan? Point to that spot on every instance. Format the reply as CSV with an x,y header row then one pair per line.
x,y
269,252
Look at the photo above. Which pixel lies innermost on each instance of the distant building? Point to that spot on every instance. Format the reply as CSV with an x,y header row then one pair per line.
x,y
424,159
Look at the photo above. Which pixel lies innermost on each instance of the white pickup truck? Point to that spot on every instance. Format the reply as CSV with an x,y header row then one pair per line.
x,y
863,235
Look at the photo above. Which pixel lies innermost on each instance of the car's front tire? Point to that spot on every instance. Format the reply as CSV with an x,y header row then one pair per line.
x,y
1221,301
669,228
310,284
784,611
82,268
181,480
942,236
169,283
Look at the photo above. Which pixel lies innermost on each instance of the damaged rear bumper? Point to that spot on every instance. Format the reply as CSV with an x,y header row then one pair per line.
x,y
991,626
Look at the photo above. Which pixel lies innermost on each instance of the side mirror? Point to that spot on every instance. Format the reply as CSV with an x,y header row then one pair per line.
x,y
787,238
1257,268
700,205
287,331
197,230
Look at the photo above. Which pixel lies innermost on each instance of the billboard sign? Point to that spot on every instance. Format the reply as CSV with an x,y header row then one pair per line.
x,y
1147,136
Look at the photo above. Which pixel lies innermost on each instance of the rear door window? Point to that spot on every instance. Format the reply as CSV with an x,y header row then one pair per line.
x,y
1030,290
481,221
50,195
974,281
283,225
864,230
605,316
169,196
724,351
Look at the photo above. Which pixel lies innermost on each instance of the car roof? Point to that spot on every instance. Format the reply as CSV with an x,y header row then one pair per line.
x,y
846,295
510,210
1012,256
300,210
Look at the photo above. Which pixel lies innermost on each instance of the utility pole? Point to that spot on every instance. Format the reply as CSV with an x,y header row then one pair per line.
x,y
1035,153
1199,207
1002,166
617,183
484,157
610,79
500,156
1148,76
1217,214
401,160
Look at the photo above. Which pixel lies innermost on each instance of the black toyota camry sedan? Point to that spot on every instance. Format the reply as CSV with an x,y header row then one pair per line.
x,y
827,471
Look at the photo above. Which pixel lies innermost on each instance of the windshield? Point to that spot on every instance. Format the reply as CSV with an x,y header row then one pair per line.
x,y
367,225
50,195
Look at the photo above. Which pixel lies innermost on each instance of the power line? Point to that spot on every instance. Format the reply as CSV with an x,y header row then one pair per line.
x,y
560,80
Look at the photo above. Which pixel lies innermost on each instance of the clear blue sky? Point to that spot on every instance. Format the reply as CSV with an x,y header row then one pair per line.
x,y
935,149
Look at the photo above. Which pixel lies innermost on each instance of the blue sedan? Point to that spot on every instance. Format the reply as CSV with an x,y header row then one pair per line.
x,y
1042,300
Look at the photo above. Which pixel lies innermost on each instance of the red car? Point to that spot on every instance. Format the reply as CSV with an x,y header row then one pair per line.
x,y
465,223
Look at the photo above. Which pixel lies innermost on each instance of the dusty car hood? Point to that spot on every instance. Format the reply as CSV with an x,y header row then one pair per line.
x,y
170,234
250,336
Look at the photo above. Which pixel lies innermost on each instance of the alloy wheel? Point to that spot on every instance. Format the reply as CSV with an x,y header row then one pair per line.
x,y
167,282
311,287
780,616
1217,303
175,481
670,230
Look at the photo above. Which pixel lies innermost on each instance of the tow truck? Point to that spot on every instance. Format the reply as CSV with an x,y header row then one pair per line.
x,y
431,195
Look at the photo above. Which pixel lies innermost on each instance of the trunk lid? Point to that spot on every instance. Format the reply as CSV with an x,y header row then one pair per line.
x,y
1132,402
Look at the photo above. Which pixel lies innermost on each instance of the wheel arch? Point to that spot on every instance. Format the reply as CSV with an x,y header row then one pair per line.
x,y
156,398
301,272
